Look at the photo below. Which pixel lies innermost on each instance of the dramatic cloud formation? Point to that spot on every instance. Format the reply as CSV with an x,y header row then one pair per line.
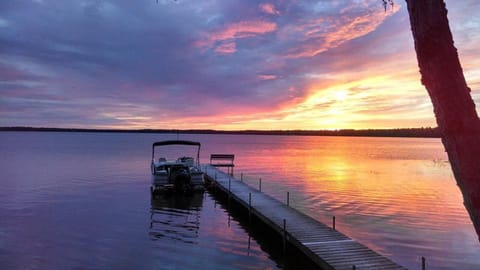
x,y
234,31
318,35
218,64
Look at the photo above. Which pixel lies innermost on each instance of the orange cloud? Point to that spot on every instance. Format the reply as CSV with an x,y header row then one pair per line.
x,y
231,32
321,34
269,9
359,102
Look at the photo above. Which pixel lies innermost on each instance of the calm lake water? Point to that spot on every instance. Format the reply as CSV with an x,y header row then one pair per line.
x,y
81,201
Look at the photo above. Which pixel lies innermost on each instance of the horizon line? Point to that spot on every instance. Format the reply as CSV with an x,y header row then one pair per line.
x,y
430,132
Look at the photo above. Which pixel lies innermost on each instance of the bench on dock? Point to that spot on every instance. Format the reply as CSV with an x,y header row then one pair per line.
x,y
223,160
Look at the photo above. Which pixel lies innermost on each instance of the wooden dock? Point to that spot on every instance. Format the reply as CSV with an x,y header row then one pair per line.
x,y
326,247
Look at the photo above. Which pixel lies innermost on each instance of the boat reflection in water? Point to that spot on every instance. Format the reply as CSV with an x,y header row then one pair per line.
x,y
176,217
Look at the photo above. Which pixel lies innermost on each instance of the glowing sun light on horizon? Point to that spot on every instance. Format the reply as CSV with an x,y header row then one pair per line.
x,y
341,95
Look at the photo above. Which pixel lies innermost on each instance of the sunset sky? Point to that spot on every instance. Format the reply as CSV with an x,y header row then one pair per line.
x,y
219,64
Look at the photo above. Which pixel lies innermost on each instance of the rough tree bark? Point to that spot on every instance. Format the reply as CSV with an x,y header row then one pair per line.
x,y
454,108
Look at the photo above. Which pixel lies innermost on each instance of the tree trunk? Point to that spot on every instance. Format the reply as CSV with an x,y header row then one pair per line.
x,y
454,108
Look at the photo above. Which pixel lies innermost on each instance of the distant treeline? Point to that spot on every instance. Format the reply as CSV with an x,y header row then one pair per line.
x,y
398,132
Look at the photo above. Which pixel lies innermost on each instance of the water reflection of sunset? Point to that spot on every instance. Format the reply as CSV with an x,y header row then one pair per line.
x,y
378,187
389,193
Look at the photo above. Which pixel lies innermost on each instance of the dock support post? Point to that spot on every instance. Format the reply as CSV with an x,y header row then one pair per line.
x,y
334,223
284,236
423,263
215,176
288,198
260,184
249,208
229,190
354,267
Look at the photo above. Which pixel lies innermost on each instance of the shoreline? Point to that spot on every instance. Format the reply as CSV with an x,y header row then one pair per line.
x,y
398,132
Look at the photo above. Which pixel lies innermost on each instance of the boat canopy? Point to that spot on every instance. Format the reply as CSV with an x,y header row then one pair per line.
x,y
176,142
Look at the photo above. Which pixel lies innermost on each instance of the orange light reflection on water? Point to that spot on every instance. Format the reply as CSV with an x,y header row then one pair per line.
x,y
392,194
380,186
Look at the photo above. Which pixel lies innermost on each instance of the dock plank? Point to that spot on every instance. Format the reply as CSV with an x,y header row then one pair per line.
x,y
328,248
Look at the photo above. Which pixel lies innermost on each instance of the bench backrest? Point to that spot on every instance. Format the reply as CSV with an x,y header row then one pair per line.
x,y
222,159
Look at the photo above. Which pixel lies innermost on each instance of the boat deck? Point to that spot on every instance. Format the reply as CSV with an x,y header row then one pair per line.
x,y
326,247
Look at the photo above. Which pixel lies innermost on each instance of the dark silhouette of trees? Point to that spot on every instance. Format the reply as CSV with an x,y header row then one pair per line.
x,y
454,108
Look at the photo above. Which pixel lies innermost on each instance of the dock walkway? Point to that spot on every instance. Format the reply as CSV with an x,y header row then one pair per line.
x,y
328,248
